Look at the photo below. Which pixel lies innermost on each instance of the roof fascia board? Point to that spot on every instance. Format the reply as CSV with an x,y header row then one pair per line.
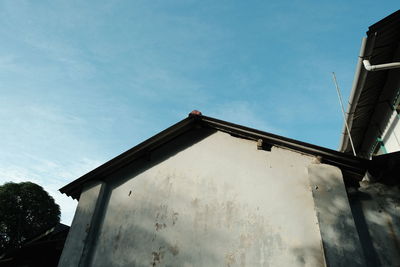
x,y
384,25
129,156
348,162
384,22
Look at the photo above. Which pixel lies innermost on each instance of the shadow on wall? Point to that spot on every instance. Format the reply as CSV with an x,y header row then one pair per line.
x,y
164,230
376,210
338,231
359,226
144,235
173,227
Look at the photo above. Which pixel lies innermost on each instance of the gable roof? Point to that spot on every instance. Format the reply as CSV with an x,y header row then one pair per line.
x,y
351,166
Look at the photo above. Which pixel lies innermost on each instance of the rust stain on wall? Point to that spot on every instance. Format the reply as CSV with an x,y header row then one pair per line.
x,y
157,256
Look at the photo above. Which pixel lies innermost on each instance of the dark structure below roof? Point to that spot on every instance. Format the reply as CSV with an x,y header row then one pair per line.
x,y
41,251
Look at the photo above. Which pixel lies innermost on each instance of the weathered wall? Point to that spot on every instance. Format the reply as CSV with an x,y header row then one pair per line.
x,y
339,235
220,202
78,243
376,210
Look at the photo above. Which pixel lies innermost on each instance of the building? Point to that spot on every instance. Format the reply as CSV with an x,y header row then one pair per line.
x,y
43,250
374,106
206,192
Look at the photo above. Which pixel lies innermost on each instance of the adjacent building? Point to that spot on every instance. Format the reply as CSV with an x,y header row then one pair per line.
x,y
374,106
43,250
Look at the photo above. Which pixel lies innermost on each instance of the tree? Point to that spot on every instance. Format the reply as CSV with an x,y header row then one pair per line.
x,y
26,210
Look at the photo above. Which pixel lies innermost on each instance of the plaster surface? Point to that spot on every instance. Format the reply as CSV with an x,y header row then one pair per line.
x,y
216,202
77,244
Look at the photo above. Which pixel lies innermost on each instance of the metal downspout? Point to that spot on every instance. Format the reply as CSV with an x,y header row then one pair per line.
x,y
354,96
387,66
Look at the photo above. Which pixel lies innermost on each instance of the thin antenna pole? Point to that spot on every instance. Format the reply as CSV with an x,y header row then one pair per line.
x,y
344,116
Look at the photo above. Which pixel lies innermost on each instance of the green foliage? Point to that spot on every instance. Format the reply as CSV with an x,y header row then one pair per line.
x,y
26,210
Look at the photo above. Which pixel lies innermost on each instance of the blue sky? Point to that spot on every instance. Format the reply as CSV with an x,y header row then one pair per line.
x,y
83,81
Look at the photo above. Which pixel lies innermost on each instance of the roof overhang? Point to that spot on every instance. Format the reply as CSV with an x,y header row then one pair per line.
x,y
372,94
351,166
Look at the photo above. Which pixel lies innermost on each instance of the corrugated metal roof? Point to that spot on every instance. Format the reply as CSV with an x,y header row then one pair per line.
x,y
373,106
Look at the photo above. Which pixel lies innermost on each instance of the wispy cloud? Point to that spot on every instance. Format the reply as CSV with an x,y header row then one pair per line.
x,y
245,113
80,82
51,176
40,144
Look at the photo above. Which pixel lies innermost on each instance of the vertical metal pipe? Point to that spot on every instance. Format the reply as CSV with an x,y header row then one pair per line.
x,y
354,94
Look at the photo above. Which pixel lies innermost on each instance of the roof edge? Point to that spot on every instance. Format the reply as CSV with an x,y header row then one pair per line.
x,y
344,161
340,159
73,189
384,22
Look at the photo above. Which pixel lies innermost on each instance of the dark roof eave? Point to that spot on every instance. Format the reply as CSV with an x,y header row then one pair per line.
x,y
394,17
346,162
74,188
370,86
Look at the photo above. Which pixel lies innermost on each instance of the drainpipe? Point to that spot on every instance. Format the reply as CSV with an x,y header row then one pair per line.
x,y
354,96
386,66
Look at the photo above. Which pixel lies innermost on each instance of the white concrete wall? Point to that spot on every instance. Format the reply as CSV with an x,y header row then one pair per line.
x,y
219,202
78,243
391,135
